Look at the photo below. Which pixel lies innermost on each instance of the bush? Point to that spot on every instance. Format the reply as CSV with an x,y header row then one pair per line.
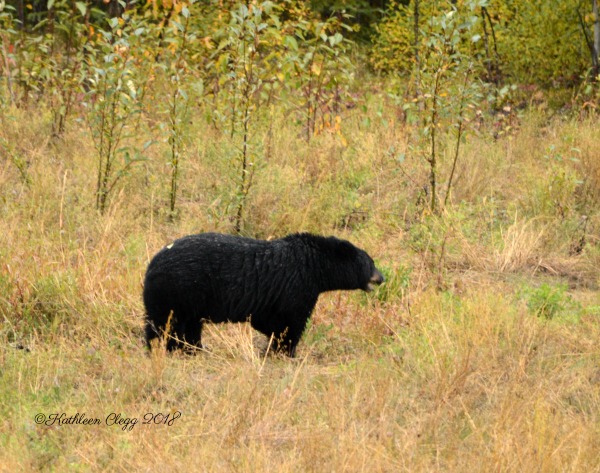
x,y
548,301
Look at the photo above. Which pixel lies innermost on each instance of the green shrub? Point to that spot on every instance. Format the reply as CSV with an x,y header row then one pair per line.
x,y
397,282
548,301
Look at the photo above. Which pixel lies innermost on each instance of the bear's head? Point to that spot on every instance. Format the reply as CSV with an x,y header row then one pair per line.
x,y
348,267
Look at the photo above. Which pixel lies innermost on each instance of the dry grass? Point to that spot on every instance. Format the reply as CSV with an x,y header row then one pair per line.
x,y
412,378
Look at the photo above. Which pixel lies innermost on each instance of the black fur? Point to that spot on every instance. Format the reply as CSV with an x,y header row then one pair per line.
x,y
272,284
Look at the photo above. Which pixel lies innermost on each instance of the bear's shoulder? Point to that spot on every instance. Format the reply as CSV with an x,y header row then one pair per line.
x,y
325,244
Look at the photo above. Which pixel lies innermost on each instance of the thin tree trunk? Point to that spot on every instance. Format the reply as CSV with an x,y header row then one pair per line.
x,y
416,50
7,68
245,177
595,61
459,133
21,14
433,156
173,141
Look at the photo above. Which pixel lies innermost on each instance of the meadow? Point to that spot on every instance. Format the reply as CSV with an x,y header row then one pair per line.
x,y
479,353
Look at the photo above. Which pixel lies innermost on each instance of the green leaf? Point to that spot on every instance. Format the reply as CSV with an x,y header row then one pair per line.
x,y
82,7
198,87
223,44
291,43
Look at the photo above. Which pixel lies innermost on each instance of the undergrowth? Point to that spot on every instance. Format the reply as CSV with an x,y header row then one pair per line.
x,y
480,352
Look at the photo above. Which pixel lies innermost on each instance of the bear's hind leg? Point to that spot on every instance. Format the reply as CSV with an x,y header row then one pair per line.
x,y
191,337
155,330
184,335
151,333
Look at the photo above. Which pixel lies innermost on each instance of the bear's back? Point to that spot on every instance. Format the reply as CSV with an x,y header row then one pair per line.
x,y
213,252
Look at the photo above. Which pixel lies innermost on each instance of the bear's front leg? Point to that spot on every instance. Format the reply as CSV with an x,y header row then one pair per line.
x,y
287,340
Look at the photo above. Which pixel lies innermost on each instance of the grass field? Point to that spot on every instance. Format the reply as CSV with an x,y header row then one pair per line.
x,y
480,353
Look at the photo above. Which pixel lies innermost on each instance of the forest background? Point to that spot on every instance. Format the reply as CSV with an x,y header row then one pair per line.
x,y
456,141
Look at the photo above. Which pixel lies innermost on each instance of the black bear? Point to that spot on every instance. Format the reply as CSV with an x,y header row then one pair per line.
x,y
272,284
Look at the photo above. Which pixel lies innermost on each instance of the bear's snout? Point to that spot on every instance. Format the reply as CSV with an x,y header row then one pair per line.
x,y
376,279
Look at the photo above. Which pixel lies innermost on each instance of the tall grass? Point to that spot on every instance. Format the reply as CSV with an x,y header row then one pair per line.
x,y
449,370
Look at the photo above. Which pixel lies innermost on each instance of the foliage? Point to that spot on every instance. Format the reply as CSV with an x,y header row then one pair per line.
x,y
245,60
317,65
397,284
394,42
7,56
362,15
184,84
541,42
448,92
113,100
529,42
48,62
65,51
159,64
414,379
548,301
